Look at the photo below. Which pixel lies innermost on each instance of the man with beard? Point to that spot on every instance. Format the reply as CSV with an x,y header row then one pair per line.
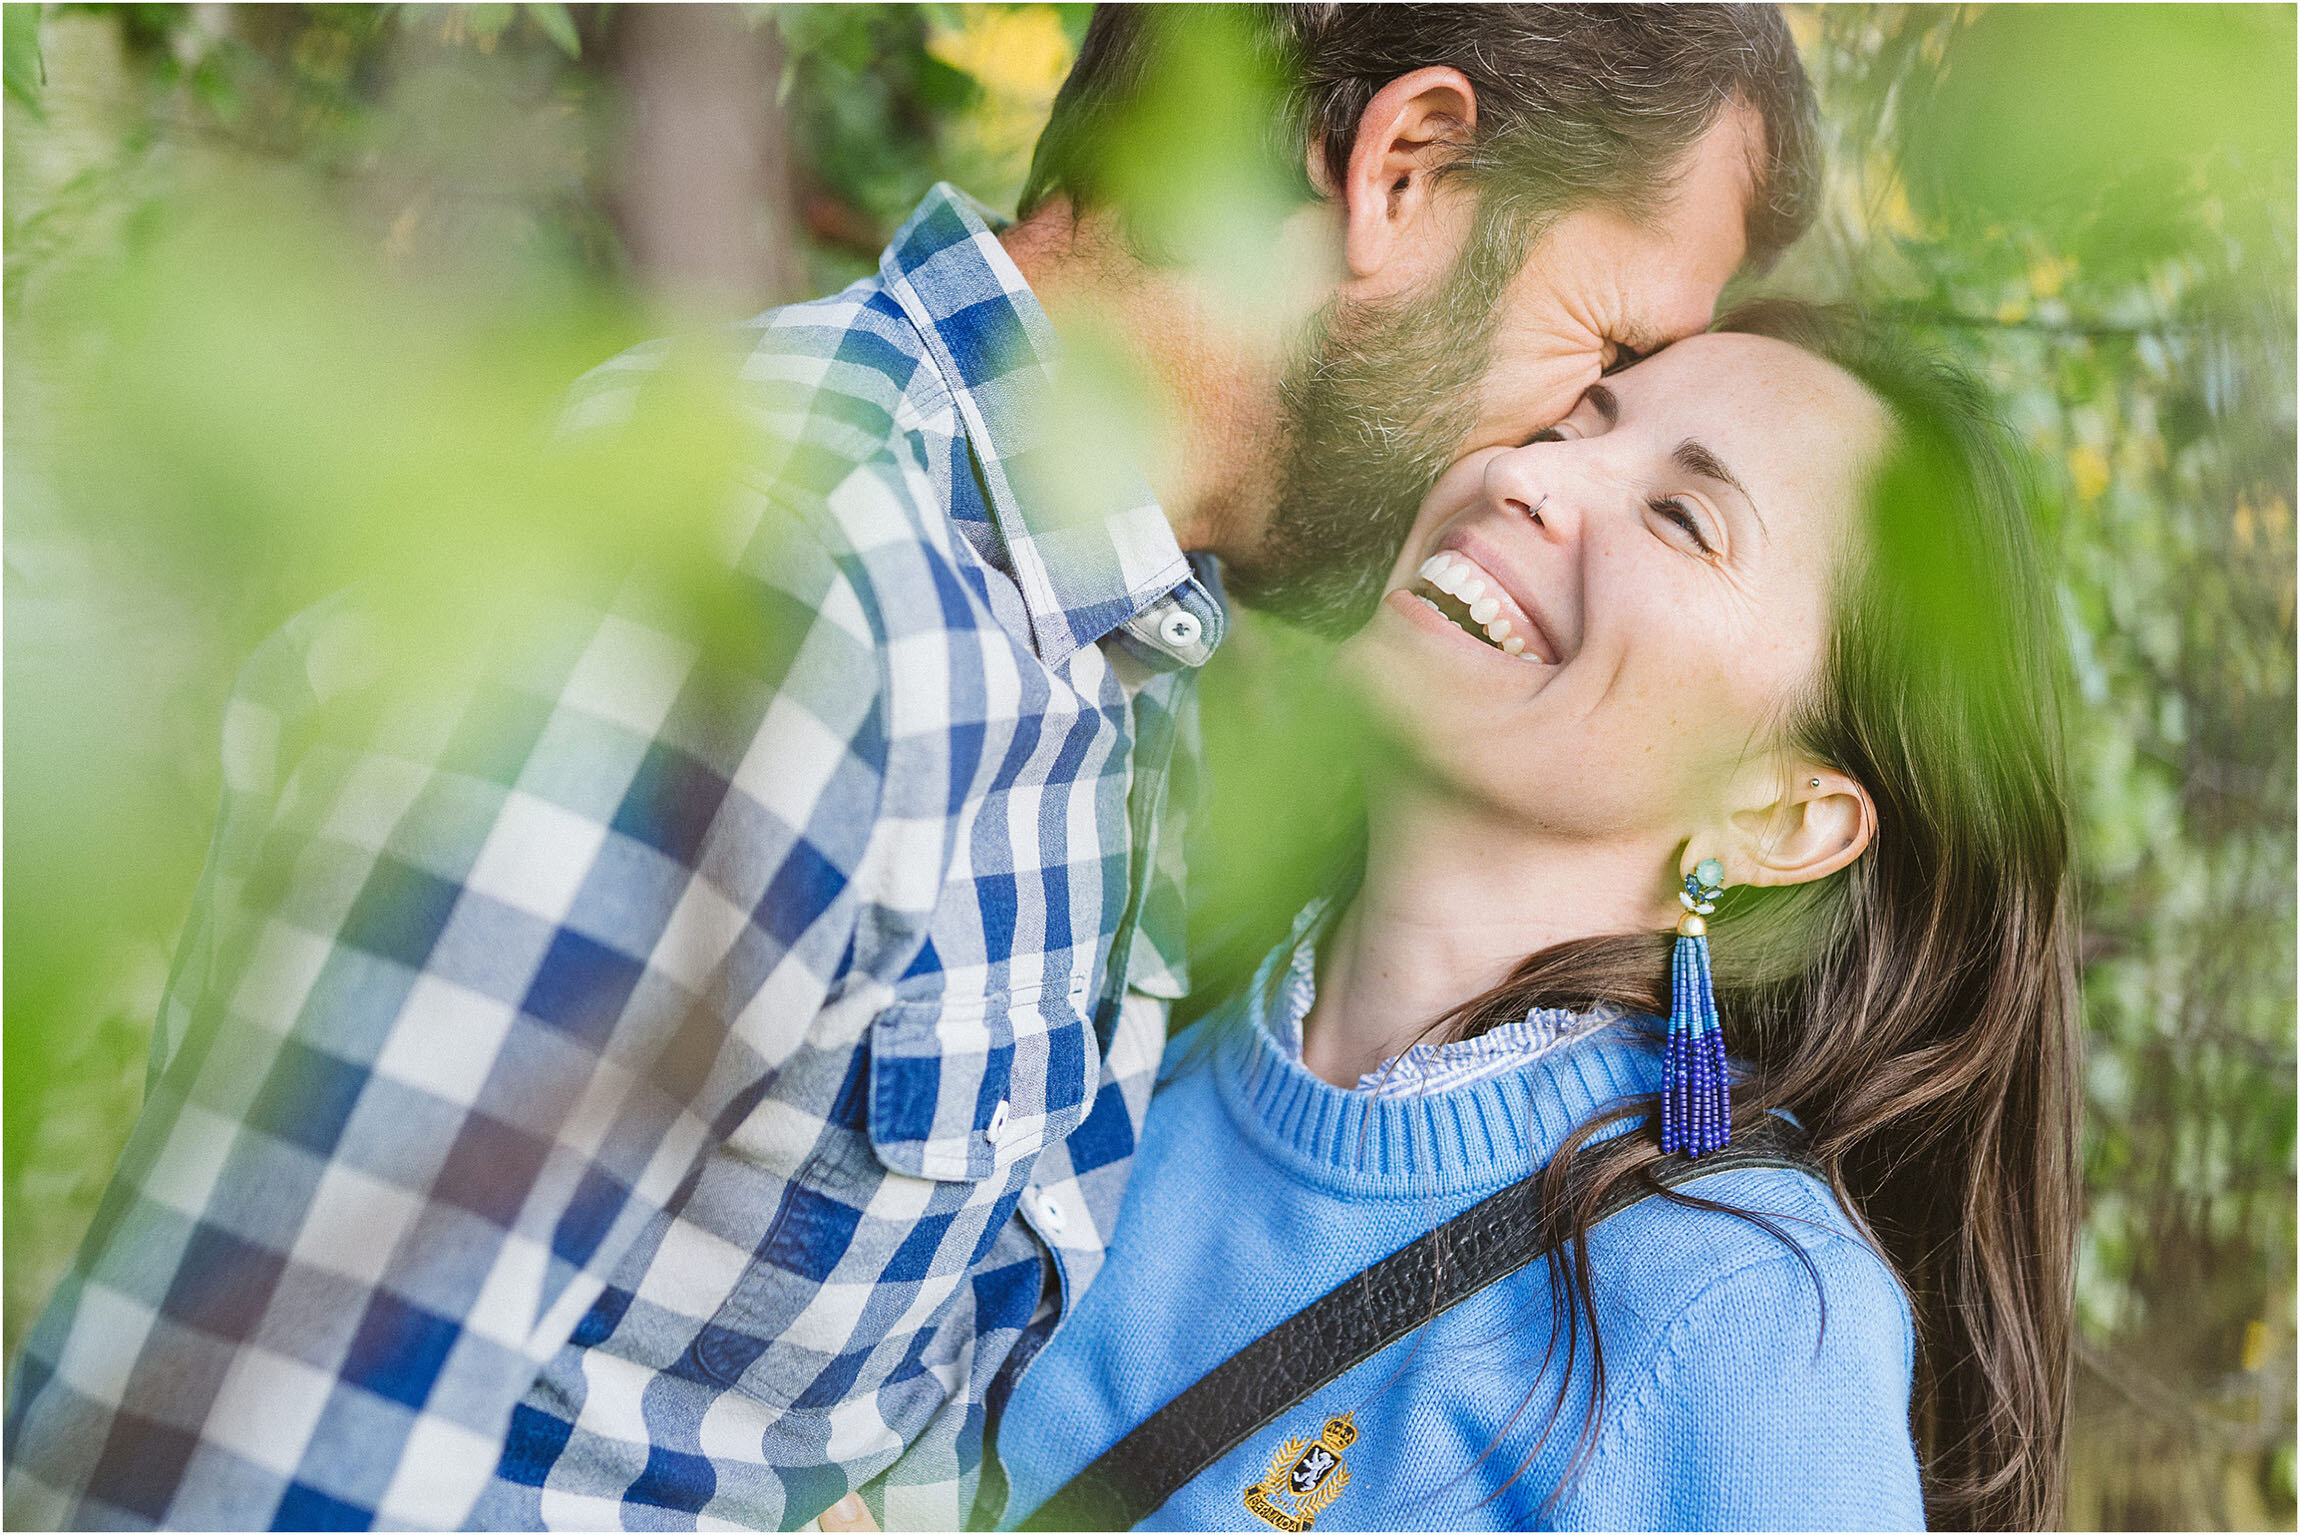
x,y
675,1080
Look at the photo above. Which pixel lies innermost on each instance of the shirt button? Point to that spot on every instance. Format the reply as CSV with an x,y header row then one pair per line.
x,y
997,1121
1180,629
1043,1206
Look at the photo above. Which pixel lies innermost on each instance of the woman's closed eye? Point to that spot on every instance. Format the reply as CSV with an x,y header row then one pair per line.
x,y
1669,508
1673,509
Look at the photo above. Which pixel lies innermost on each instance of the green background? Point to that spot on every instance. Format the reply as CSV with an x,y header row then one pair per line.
x,y
289,290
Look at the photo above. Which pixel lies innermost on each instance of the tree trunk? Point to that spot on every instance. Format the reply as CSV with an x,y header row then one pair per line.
x,y
704,198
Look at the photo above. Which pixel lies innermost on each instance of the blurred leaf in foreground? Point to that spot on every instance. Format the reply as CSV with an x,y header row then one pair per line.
x,y
20,61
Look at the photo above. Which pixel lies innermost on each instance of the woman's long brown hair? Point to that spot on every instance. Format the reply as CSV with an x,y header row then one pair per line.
x,y
1917,1011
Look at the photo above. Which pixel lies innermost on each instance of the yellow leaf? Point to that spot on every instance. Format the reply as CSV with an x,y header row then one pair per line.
x,y
2048,274
2088,470
1898,218
1019,51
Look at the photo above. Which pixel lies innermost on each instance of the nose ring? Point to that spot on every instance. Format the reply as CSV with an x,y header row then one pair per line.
x,y
1534,511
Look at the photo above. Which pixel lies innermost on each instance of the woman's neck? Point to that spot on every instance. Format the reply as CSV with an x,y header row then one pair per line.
x,y
1453,900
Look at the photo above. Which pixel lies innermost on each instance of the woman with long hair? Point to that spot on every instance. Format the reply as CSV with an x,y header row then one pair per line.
x,y
1715,798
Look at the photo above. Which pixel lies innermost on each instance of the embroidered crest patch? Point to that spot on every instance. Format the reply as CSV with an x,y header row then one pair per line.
x,y
1304,1477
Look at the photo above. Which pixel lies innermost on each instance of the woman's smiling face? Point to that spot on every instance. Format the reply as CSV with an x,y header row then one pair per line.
x,y
1597,631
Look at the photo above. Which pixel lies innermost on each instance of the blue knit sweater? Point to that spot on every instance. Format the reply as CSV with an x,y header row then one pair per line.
x,y
1258,1187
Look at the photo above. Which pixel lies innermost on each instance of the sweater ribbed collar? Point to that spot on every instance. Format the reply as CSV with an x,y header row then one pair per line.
x,y
1468,1139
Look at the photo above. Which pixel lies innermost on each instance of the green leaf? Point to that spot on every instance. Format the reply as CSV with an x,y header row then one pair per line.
x,y
26,73
944,88
557,25
212,83
2105,124
1074,19
487,23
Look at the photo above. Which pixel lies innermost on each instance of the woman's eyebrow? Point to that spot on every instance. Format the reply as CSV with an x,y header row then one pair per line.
x,y
1603,401
1695,458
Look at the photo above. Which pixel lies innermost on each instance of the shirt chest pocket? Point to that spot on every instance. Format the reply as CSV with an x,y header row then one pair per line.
x,y
890,1194
962,1090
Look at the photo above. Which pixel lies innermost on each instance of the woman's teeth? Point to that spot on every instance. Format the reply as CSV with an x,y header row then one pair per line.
x,y
1457,578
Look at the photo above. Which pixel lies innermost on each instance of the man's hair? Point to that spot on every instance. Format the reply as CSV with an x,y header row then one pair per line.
x,y
1577,105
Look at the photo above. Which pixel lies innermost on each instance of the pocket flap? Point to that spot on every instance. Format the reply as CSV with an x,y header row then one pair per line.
x,y
961,1090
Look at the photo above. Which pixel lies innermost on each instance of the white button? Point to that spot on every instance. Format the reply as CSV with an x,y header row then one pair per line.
x,y
997,1121
1043,1206
1077,987
1181,629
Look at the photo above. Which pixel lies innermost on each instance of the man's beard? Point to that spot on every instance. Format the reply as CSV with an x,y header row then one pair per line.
x,y
1374,412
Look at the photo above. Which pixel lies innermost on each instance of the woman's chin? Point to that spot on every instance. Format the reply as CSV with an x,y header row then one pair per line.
x,y
1423,680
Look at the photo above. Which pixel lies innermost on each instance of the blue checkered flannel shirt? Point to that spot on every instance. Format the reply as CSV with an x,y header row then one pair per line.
x,y
646,1085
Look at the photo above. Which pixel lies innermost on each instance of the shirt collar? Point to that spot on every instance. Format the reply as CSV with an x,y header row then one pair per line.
x,y
1087,542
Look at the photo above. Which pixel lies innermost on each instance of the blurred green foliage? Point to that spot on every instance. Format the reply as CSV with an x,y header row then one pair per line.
x,y
2094,205
291,293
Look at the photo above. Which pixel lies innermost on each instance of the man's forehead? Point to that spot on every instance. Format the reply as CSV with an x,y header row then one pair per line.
x,y
1714,197
1737,140
1664,268
1699,238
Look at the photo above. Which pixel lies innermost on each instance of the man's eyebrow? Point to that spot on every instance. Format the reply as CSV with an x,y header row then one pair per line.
x,y
1603,401
1695,458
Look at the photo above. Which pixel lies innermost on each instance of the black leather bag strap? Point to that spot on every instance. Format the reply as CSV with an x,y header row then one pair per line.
x,y
1343,1328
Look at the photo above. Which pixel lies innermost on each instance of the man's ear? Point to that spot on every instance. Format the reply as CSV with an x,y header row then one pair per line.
x,y
1817,824
1406,132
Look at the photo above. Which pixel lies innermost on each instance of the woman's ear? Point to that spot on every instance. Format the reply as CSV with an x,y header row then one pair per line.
x,y
1405,133
1820,822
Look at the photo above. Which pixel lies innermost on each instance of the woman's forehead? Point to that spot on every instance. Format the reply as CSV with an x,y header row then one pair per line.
x,y
1776,410
1734,369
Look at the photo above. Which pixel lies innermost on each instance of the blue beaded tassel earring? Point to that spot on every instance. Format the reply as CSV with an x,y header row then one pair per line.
x,y
1696,1098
